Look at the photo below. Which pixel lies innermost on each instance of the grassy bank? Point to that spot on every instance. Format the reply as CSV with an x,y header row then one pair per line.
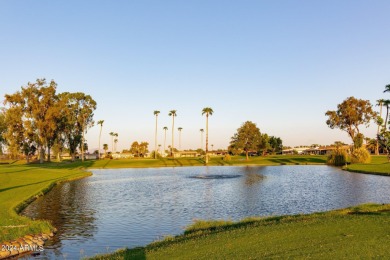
x,y
19,184
214,161
358,232
379,165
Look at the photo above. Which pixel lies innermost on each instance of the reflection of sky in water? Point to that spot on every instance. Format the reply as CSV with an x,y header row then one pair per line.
x,y
132,207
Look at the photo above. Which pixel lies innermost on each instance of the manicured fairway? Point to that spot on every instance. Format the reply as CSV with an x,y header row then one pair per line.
x,y
379,165
19,183
362,232
214,161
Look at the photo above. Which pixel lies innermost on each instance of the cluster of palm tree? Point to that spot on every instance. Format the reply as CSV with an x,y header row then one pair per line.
x,y
173,113
113,141
382,103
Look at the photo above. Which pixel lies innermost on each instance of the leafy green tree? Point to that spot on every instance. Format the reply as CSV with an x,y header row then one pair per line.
x,y
276,144
143,147
350,114
208,111
18,136
3,130
173,114
135,149
247,138
156,112
77,111
264,145
100,122
40,114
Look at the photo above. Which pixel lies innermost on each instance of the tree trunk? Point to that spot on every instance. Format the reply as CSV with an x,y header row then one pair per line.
x,y
48,153
387,116
41,154
247,157
165,139
173,134
100,136
155,141
82,148
207,138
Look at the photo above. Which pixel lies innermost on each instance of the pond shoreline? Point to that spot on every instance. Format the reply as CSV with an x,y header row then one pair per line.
x,y
30,243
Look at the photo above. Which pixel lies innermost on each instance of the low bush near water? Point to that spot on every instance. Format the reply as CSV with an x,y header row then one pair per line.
x,y
360,155
338,157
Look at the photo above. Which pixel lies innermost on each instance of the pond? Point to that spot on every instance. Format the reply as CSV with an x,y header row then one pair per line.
x,y
132,207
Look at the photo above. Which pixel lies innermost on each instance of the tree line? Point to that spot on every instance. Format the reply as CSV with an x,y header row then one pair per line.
x,y
248,139
37,118
351,114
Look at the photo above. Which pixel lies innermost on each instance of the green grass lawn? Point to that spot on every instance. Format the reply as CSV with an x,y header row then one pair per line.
x,y
214,161
18,184
379,165
354,233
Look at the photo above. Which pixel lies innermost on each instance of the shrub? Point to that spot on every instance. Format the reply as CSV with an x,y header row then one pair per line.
x,y
158,155
360,155
227,158
338,157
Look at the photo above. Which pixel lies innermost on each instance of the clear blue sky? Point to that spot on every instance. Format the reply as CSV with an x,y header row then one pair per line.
x,y
280,64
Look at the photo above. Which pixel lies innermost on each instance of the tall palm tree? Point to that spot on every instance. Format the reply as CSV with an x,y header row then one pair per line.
x,y
379,103
180,128
173,114
208,111
156,112
201,138
387,88
105,148
165,137
100,122
386,103
112,141
116,140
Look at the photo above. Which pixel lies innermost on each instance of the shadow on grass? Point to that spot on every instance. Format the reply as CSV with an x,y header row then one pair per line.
x,y
19,186
138,253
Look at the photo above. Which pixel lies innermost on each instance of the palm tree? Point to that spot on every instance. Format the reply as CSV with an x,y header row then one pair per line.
x,y
105,148
172,113
387,88
386,103
165,138
212,147
180,128
100,122
201,138
112,141
208,111
156,112
379,103
115,142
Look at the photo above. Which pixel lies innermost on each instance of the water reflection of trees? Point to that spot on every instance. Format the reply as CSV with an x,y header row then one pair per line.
x,y
68,207
252,176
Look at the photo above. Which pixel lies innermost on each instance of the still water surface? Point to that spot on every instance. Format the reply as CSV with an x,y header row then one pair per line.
x,y
132,207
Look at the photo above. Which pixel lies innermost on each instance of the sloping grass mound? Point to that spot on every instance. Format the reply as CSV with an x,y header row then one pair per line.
x,y
19,185
357,232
